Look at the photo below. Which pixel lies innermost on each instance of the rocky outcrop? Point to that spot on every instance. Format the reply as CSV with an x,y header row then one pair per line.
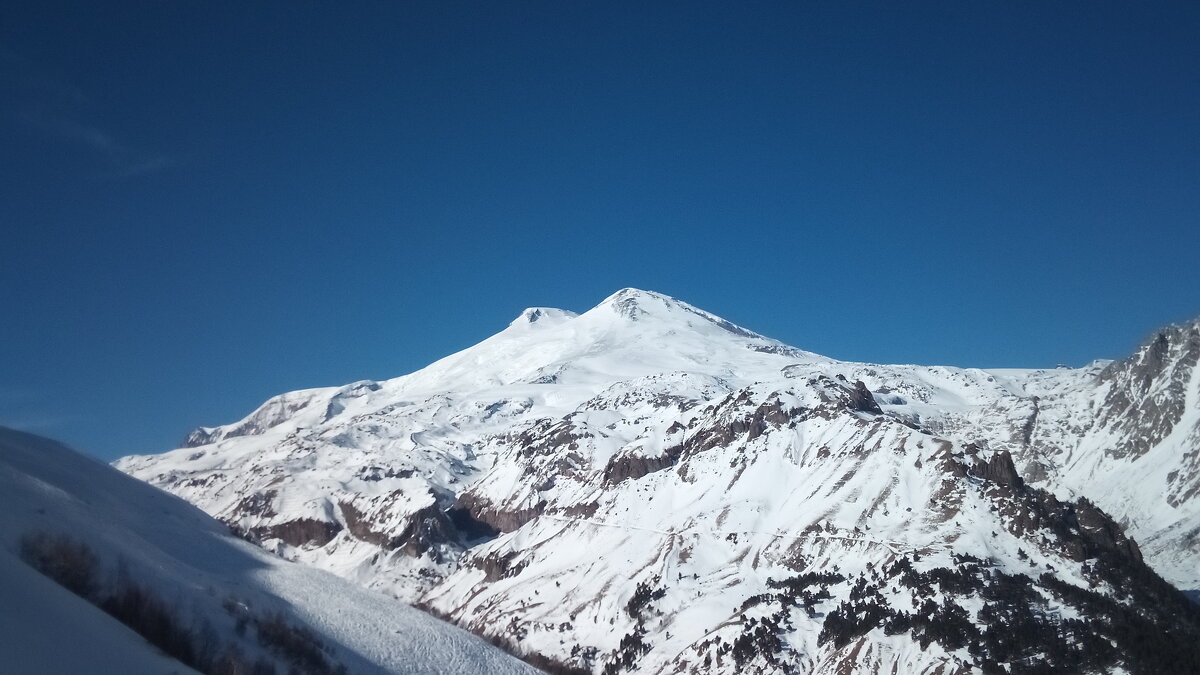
x,y
1100,531
496,566
1080,530
1147,393
301,532
998,469
862,400
470,531
427,531
840,394
632,466
500,518
257,505
736,419
549,438
363,529
200,436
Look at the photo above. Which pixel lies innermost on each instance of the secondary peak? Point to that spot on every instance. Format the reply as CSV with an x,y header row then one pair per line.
x,y
541,315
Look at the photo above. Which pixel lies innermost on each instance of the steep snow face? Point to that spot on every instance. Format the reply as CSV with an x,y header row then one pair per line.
x,y
190,561
648,487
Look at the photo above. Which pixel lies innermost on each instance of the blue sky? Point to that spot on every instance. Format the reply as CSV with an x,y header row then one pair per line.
x,y
206,204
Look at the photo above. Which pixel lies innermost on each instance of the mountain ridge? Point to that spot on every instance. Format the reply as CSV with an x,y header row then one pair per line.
x,y
675,440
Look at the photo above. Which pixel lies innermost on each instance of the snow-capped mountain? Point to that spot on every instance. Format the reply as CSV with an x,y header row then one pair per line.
x,y
124,550
646,487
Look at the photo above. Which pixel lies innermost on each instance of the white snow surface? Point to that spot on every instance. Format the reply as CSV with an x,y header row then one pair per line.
x,y
646,439
192,562
48,629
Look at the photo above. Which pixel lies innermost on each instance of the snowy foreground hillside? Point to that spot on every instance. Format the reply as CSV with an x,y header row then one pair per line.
x,y
149,556
646,487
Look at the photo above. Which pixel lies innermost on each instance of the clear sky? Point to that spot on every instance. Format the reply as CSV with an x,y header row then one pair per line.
x,y
204,204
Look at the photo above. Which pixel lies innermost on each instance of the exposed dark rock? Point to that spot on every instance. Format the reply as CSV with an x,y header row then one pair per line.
x,y
199,436
781,350
202,481
548,437
838,395
1079,530
376,473
1102,532
299,532
258,504
769,414
498,517
1148,391
362,528
1101,634
1037,471
471,530
1183,486
1030,422
583,510
498,566
862,400
425,531
999,469
630,466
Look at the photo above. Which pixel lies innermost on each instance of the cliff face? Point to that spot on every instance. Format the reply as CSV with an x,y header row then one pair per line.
x,y
1148,394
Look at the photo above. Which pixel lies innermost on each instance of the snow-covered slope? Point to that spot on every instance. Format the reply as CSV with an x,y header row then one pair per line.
x,y
647,487
1124,434
44,628
330,475
140,536
1140,455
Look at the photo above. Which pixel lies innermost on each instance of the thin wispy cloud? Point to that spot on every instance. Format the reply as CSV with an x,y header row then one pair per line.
x,y
61,111
122,160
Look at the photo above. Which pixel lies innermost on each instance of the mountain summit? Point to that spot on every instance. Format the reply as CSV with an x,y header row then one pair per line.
x,y
646,487
633,304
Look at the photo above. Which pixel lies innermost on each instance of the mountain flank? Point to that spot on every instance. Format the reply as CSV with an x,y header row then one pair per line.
x,y
646,487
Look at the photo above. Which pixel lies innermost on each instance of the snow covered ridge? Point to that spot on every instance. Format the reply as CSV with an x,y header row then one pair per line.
x,y
646,487
125,549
